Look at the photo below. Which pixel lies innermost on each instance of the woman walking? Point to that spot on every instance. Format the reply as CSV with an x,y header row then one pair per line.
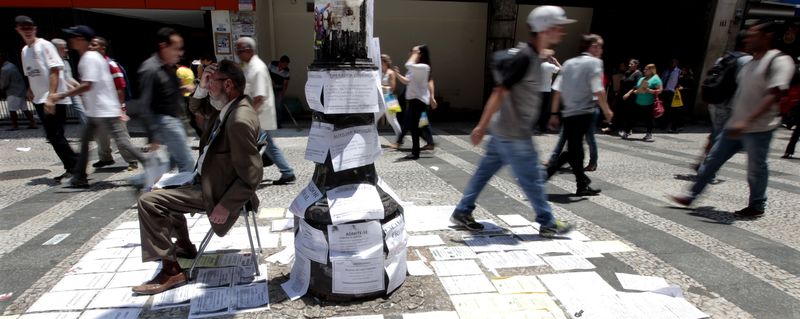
x,y
418,95
389,84
646,90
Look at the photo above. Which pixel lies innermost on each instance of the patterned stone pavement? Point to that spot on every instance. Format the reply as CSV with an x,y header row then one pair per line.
x,y
726,267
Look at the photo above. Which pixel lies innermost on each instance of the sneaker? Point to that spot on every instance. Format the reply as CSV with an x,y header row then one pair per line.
x,y
466,221
428,147
590,168
62,176
285,180
787,155
132,166
648,138
78,182
682,200
558,228
587,191
100,164
749,212
625,135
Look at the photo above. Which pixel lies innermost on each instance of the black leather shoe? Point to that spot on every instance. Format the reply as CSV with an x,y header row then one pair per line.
x,y
100,164
285,180
587,191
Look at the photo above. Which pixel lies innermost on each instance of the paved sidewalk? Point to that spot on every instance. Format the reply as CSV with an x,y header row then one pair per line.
x,y
726,267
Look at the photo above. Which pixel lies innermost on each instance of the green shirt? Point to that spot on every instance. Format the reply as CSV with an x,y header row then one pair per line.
x,y
643,98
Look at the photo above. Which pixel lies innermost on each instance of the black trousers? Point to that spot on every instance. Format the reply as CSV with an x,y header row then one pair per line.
x,y
640,113
53,125
575,128
544,115
411,120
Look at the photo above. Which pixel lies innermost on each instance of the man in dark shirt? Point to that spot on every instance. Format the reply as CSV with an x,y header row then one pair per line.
x,y
160,101
279,72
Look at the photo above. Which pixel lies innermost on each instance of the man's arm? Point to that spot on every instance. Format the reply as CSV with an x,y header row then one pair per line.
x,y
53,98
492,105
555,110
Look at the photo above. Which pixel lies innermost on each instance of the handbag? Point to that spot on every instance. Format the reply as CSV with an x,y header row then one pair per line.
x,y
677,100
392,105
658,108
423,120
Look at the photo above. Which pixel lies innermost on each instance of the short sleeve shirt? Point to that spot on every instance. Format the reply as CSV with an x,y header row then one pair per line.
x,y
278,76
11,80
548,69
773,70
580,78
523,103
101,100
37,60
653,83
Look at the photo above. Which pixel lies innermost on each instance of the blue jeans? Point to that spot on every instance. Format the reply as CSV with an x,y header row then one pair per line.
x,y
275,154
521,155
757,147
172,135
590,140
77,107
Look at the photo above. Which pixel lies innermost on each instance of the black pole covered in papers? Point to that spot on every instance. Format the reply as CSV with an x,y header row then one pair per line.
x,y
350,239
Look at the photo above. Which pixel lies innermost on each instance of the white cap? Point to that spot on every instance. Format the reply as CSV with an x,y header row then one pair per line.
x,y
545,17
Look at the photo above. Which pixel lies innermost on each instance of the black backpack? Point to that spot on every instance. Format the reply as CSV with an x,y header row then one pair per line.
x,y
720,82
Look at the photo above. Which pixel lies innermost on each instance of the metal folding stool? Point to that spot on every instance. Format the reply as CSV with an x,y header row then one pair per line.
x,y
253,255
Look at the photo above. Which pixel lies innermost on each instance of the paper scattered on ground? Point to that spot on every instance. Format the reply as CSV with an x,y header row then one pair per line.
x,y
514,220
446,268
568,262
452,252
418,268
272,213
608,247
641,283
472,284
519,285
424,240
432,315
23,149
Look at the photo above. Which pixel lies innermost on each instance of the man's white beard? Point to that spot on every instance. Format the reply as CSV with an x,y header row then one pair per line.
x,y
217,102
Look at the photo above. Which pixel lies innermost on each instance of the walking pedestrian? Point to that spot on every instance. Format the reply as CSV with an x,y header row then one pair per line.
x,y
670,79
12,83
418,94
69,76
720,113
101,136
160,101
279,73
102,103
761,83
509,116
550,67
389,85
646,90
44,68
258,88
627,110
579,88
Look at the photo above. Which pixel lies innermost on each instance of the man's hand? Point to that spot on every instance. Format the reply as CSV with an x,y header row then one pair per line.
x,y
29,95
736,129
207,73
553,122
477,135
189,88
50,104
434,104
609,115
219,215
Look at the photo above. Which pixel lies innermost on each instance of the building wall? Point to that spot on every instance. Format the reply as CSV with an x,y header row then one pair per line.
x,y
455,32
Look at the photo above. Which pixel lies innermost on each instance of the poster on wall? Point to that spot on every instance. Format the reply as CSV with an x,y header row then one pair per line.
x,y
336,15
222,43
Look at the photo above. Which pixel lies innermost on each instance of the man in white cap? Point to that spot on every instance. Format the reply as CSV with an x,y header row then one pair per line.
x,y
509,115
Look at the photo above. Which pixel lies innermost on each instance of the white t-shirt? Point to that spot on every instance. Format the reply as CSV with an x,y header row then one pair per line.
x,y
37,60
101,100
753,84
548,69
259,83
417,87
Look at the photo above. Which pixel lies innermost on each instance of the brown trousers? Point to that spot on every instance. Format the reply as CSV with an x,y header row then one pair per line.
x,y
161,218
